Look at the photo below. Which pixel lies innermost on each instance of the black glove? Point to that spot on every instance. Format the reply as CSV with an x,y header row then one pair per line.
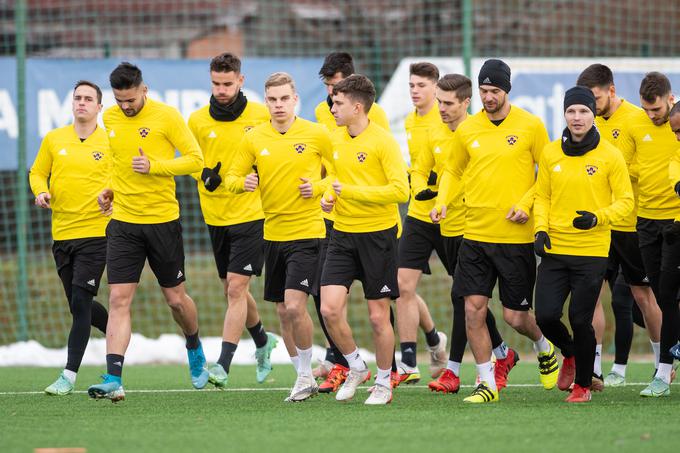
x,y
432,180
541,242
426,194
677,188
585,221
671,232
211,178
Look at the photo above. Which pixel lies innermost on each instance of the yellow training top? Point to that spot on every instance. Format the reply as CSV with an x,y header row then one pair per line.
x,y
158,129
615,130
78,172
499,164
567,184
374,180
432,158
417,127
654,147
281,160
219,141
324,116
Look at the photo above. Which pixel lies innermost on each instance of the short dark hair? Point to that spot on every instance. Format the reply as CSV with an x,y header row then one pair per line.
x,y
675,110
80,83
337,62
225,62
654,85
596,75
458,83
424,69
359,88
126,75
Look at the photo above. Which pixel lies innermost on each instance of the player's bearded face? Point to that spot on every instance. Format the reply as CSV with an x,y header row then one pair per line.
x,y
493,98
131,100
659,110
675,125
226,86
603,102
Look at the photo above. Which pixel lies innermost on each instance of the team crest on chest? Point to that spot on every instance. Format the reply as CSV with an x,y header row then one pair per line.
x,y
512,139
299,147
97,155
361,156
591,170
144,131
615,133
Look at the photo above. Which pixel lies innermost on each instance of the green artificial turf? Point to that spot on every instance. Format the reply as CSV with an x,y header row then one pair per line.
x,y
162,413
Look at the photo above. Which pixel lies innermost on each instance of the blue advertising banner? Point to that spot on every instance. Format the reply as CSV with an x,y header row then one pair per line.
x,y
184,84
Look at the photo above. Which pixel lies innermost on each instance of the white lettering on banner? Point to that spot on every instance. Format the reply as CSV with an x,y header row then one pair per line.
x,y
8,115
193,100
52,112
539,106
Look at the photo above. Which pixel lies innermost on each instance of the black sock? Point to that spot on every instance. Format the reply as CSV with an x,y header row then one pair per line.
x,y
226,355
81,312
408,353
114,364
394,358
259,334
432,338
192,340
330,355
99,316
339,358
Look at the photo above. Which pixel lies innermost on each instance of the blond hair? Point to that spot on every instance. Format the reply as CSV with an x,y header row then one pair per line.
x,y
278,79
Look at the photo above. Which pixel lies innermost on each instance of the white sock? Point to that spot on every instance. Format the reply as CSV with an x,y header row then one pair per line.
x,y
70,375
454,367
597,365
501,352
656,347
305,365
485,371
664,372
355,361
542,345
383,377
619,369
296,362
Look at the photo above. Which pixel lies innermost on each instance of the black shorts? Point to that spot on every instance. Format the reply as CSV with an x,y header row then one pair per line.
x,y
131,244
239,248
561,275
480,264
80,262
652,247
418,240
290,265
368,257
451,247
624,251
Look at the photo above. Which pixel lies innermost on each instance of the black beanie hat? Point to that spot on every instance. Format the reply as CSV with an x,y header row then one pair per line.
x,y
495,73
579,95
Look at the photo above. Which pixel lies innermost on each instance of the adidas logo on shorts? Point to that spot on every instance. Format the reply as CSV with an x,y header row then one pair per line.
x,y
91,282
385,289
180,274
305,283
247,267
524,302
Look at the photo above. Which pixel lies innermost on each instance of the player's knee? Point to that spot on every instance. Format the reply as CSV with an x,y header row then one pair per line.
x,y
236,291
379,320
330,313
515,319
119,301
